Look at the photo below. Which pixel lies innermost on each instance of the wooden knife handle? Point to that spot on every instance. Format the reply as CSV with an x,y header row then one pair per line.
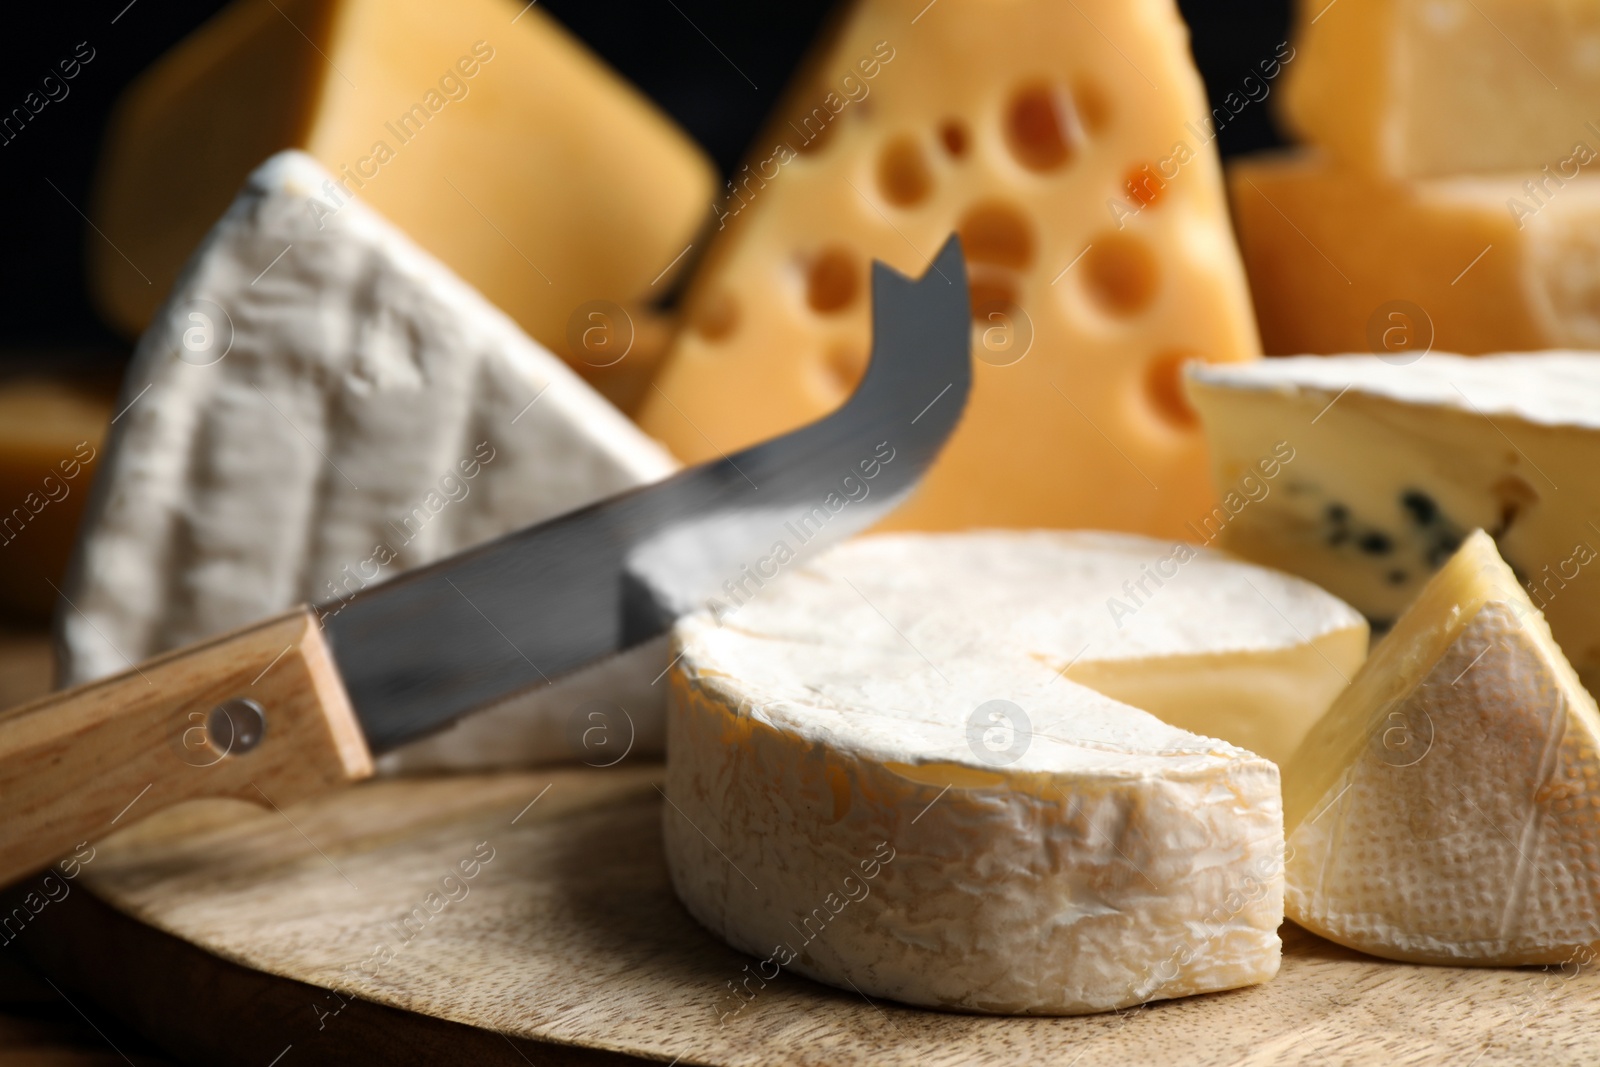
x,y
259,714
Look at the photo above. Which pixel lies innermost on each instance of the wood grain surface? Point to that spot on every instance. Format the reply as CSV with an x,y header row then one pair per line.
x,y
567,937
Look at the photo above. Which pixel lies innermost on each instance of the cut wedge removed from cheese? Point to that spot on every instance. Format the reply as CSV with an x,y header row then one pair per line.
x,y
1395,462
1447,808
1430,87
1342,262
481,128
319,406
1052,137
1054,851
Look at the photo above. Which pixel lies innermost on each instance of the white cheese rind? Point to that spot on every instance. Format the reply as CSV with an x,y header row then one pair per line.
x,y
350,377
840,806
1395,463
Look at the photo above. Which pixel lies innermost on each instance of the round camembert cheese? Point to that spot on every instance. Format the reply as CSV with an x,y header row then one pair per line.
x,y
880,778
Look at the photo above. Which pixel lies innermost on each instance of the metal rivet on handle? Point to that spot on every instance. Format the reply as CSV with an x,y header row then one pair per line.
x,y
236,726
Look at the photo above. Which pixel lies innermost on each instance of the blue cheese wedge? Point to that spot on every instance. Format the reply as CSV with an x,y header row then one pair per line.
x,y
1447,808
320,405
883,776
1393,464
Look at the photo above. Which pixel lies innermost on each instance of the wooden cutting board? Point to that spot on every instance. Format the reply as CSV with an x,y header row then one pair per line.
x,y
228,926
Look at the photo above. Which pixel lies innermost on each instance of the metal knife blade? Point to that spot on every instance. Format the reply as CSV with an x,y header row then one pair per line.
x,y
431,645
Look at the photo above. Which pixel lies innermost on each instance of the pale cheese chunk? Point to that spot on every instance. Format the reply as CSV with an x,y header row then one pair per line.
x,y
1447,808
319,406
1053,851
1061,141
1395,462
1429,87
1342,262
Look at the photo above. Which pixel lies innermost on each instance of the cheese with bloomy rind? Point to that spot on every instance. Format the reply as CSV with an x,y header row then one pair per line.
x,y
1394,463
1447,808
1342,262
829,812
1054,851
316,409
482,128
1410,88
1096,239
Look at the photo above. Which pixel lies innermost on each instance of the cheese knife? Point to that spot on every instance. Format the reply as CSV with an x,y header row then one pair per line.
x,y
300,704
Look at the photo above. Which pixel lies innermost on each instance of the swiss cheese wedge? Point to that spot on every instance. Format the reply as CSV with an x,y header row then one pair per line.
x,y
1053,138
481,128
880,777
1447,808
319,406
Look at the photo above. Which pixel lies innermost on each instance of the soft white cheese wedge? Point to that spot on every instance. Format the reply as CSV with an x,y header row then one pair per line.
x,y
319,406
879,777
1447,808
1394,463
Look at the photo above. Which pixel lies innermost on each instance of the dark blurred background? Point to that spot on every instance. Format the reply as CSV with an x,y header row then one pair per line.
x,y
660,44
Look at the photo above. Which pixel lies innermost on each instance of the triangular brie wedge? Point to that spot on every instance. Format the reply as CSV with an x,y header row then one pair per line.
x,y
1446,809
319,406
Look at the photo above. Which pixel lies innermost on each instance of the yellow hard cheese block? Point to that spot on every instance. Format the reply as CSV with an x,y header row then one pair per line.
x,y
1447,808
1053,138
50,436
1433,87
487,133
1341,262
1393,464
